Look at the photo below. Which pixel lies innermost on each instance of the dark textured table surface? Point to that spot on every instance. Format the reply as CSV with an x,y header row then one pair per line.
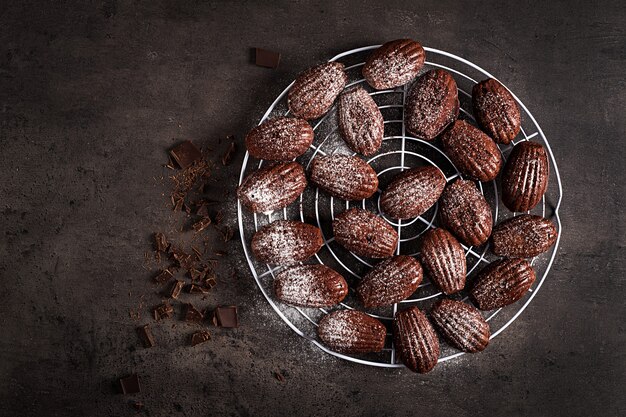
x,y
92,94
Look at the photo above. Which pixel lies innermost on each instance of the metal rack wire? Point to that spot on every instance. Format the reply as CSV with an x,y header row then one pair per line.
x,y
398,152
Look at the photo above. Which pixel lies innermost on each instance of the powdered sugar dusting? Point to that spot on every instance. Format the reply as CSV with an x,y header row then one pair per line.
x,y
496,111
345,177
280,139
474,153
310,286
365,233
272,187
390,281
360,121
285,242
315,90
393,64
432,104
413,192
352,331
464,211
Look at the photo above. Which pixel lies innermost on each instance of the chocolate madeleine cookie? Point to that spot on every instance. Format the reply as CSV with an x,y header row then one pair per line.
x,y
502,283
310,286
523,236
393,64
365,234
461,325
431,104
272,187
412,192
286,242
444,259
280,139
391,281
343,176
496,111
474,153
525,176
315,90
464,211
352,331
361,123
415,340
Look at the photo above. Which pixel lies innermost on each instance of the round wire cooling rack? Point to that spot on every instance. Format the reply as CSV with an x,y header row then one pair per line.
x,y
399,151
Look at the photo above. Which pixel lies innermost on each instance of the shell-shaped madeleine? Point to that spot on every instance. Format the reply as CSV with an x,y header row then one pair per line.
x,y
415,340
496,111
464,211
461,325
315,90
473,152
431,104
272,187
286,242
523,236
393,64
502,283
310,286
390,281
525,176
412,192
343,176
444,259
360,121
352,331
280,139
365,234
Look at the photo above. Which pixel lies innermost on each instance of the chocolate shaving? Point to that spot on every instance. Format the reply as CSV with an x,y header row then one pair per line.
x,y
196,289
227,233
130,384
226,316
192,314
183,259
194,274
219,216
230,152
160,242
163,276
163,311
201,224
176,288
185,154
280,377
200,337
145,335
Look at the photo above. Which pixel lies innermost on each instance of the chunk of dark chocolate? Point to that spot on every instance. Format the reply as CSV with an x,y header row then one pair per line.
x,y
200,337
130,384
266,58
185,154
163,311
226,316
192,314
145,335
